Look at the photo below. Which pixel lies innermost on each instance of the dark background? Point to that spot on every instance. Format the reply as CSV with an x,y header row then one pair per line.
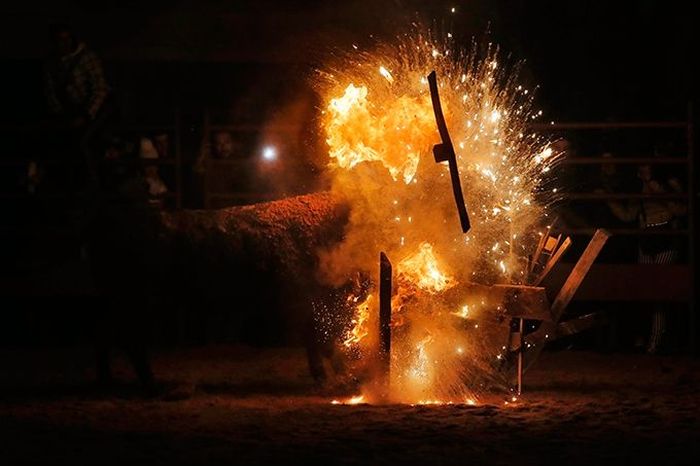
x,y
593,60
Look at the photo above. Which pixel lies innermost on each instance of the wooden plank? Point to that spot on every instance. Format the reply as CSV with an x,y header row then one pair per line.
x,y
550,250
578,325
385,278
551,332
445,153
538,250
528,302
566,293
521,353
692,225
553,261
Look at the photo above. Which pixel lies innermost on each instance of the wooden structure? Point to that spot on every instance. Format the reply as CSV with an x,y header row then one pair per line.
x,y
635,282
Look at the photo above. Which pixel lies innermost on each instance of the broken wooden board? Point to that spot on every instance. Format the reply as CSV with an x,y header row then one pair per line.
x,y
548,330
445,152
553,260
562,329
528,302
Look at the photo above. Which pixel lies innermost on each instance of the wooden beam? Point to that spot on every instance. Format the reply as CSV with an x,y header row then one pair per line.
x,y
538,250
578,324
527,302
566,293
552,261
445,153
385,272
521,353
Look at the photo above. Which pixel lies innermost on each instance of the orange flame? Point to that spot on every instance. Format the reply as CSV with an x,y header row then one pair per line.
x,y
422,269
356,134
360,328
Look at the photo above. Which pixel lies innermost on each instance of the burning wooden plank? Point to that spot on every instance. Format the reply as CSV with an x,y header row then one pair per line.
x,y
385,277
445,152
553,259
526,302
529,302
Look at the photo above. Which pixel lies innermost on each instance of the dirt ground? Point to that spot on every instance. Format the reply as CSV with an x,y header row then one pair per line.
x,y
236,405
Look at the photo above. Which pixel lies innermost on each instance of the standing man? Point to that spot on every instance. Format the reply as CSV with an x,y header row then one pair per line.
x,y
657,218
77,91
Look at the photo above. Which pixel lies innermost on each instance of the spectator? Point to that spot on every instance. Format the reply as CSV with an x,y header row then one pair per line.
x,y
156,185
77,91
655,216
162,143
221,176
223,145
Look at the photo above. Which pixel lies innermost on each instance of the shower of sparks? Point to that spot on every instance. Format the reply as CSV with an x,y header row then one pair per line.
x,y
380,129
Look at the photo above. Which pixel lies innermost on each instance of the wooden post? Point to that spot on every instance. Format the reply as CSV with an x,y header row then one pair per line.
x,y
385,318
521,352
692,225
178,158
204,159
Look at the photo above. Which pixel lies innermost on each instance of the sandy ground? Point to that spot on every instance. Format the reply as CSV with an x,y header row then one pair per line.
x,y
234,405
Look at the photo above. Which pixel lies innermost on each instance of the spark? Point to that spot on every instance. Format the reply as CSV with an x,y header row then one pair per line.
x,y
384,72
463,312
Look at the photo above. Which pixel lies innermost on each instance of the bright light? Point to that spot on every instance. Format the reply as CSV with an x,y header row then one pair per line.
x,y
269,153
387,75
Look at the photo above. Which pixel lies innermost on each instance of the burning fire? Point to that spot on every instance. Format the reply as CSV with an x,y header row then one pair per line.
x,y
422,269
360,323
380,128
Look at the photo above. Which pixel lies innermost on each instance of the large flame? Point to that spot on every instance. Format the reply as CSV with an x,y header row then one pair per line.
x,y
356,134
379,125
